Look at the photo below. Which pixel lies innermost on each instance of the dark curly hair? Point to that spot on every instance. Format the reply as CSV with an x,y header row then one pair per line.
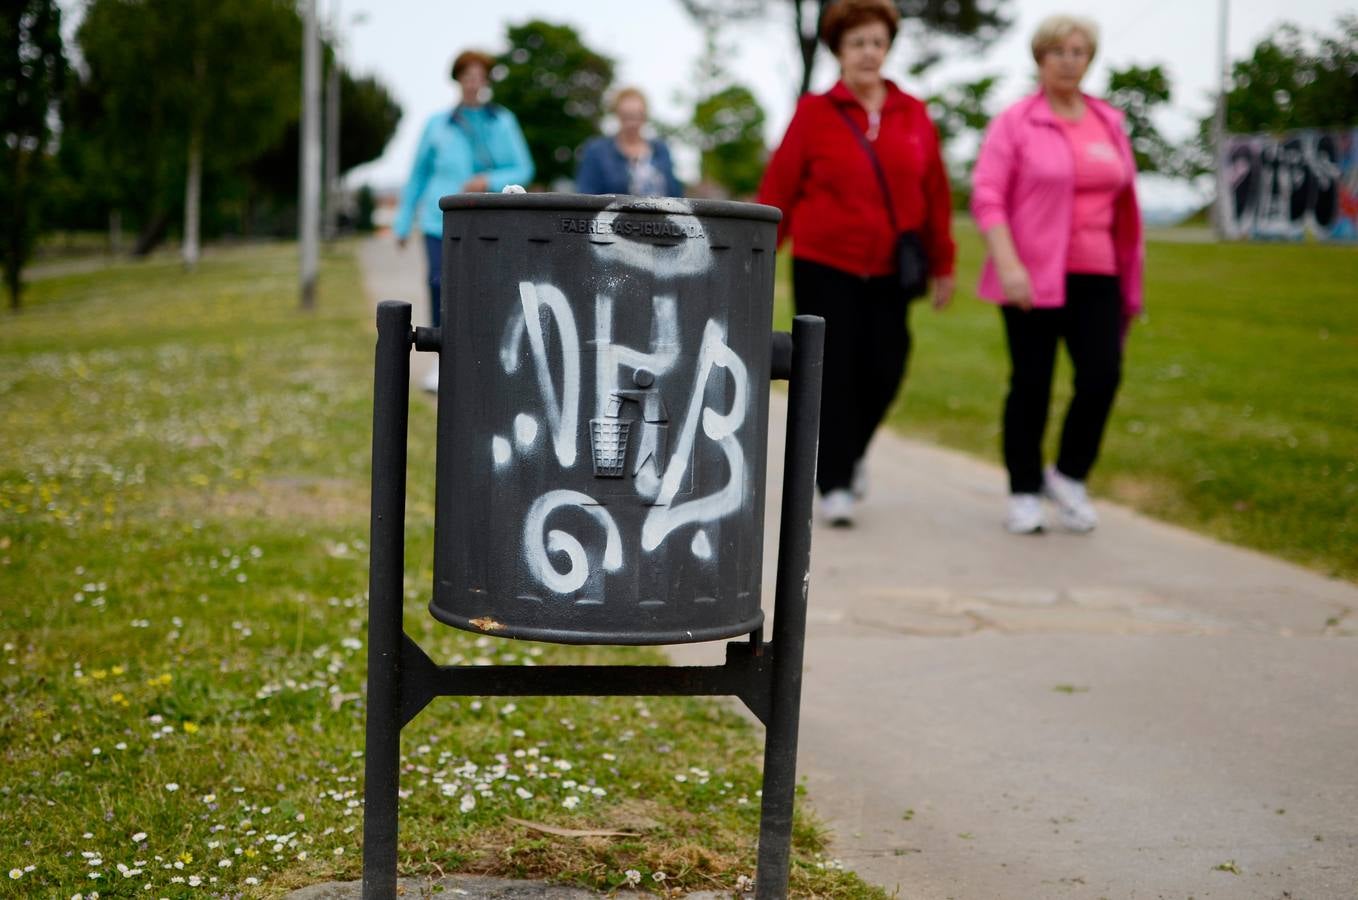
x,y
847,14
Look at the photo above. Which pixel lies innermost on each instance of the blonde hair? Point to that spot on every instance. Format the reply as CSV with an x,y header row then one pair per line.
x,y
623,94
1053,31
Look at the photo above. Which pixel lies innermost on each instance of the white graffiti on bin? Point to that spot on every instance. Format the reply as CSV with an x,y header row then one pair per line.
x,y
666,516
689,257
659,472
540,564
613,357
563,410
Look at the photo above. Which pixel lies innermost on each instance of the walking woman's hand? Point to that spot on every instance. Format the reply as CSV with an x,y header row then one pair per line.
x,y
1018,290
944,285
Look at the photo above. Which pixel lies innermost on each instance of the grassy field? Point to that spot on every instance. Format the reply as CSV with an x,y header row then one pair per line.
x,y
1238,414
183,516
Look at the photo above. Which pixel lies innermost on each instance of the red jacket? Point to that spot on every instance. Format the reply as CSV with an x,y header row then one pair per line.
x,y
825,184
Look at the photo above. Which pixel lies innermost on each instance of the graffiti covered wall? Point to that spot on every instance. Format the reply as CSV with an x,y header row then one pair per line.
x,y
1297,184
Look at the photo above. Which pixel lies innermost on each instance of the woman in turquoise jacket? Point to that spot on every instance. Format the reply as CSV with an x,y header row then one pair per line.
x,y
476,147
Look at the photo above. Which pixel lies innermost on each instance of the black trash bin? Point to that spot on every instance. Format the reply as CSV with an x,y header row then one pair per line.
x,y
603,414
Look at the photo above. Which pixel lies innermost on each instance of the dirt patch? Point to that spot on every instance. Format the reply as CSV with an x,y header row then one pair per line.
x,y
1143,494
331,500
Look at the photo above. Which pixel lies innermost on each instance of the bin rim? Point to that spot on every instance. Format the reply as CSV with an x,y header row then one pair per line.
x,y
594,203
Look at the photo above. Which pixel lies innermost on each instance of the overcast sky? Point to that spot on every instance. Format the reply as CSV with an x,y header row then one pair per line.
x,y
409,45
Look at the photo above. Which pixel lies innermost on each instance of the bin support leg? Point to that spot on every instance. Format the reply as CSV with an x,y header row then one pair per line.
x,y
789,610
391,413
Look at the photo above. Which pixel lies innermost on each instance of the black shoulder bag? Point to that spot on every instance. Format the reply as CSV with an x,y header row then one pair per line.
x,y
912,263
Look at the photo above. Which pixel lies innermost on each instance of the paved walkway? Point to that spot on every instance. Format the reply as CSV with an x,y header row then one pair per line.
x,y
1140,712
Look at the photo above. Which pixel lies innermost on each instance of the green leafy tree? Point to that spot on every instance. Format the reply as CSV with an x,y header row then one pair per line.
x,y
1138,91
365,206
369,115
368,119
1291,82
976,23
555,86
187,91
960,112
32,68
962,109
1288,82
727,125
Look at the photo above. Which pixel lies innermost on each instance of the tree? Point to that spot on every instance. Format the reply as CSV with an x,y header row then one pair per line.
x,y
555,85
370,115
1137,92
368,118
961,109
1291,82
976,22
727,125
179,101
32,69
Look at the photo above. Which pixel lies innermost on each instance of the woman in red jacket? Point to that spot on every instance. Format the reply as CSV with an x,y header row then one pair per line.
x,y
858,167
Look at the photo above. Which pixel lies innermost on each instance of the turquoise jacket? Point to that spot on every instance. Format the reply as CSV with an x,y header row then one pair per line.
x,y
482,140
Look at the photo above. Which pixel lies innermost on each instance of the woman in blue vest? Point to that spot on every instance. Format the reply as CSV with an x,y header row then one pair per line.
x,y
476,147
629,162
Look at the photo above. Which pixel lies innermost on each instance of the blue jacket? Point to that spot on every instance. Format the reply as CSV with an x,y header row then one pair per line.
x,y
603,168
483,140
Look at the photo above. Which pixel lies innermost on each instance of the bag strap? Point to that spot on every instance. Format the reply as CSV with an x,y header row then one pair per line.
x,y
876,164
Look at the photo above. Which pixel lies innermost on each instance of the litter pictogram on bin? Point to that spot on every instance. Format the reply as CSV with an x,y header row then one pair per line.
x,y
608,439
609,434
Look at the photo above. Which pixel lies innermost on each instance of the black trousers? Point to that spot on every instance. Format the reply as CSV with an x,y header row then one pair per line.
x,y
867,342
1091,323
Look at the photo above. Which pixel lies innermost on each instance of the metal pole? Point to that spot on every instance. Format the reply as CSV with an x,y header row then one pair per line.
x,y
386,587
789,611
1223,204
309,212
332,129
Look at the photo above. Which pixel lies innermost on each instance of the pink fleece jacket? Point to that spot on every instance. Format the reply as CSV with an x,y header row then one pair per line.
x,y
1025,178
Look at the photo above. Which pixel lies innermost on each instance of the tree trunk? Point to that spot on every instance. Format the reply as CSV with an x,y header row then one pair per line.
x,y
152,234
115,232
193,189
806,42
14,281
16,241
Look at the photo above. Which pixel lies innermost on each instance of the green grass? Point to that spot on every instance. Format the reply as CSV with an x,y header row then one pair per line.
x,y
1238,414
183,516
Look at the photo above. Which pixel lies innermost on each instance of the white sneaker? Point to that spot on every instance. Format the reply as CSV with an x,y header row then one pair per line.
x,y
1071,499
1026,515
837,508
431,380
859,483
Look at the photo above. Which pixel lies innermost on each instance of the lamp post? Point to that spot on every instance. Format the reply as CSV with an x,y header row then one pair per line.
x,y
1223,204
332,128
309,201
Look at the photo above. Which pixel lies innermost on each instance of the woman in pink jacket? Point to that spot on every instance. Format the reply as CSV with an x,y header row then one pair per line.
x,y
1054,195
